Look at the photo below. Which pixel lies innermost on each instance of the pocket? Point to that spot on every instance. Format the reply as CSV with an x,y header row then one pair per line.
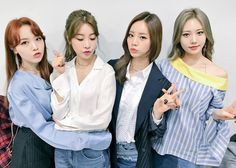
x,y
92,154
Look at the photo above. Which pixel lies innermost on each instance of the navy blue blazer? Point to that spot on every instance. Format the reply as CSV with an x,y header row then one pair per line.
x,y
145,129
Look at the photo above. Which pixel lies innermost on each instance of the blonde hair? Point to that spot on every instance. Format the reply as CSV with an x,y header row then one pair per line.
x,y
183,17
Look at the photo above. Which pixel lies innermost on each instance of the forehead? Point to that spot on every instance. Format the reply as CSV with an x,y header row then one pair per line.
x,y
192,24
85,29
25,32
139,27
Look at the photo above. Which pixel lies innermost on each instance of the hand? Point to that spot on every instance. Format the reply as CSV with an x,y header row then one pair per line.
x,y
168,101
227,113
58,62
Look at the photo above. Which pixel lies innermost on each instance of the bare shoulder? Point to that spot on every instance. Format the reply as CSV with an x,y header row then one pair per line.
x,y
217,70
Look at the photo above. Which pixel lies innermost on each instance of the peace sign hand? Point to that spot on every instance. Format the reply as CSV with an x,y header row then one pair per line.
x,y
168,101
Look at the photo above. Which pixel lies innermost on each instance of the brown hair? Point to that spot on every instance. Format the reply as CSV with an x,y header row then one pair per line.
x,y
155,30
12,39
73,23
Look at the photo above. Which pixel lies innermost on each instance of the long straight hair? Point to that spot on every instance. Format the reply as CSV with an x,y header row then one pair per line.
x,y
183,17
155,30
12,39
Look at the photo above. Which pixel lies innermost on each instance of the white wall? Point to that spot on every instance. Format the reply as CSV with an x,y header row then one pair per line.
x,y
113,18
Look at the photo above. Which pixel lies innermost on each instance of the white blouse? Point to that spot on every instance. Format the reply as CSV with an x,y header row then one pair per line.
x,y
86,106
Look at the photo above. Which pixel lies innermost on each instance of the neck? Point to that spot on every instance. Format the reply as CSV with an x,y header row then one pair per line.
x,y
192,59
83,62
30,68
138,64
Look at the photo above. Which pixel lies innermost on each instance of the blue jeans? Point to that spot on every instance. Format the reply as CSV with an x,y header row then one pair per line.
x,y
86,158
127,155
122,163
170,161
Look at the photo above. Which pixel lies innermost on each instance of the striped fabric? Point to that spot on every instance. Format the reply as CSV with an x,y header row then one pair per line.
x,y
191,132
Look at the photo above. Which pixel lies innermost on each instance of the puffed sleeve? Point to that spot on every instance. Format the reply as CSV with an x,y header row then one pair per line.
x,y
25,106
216,134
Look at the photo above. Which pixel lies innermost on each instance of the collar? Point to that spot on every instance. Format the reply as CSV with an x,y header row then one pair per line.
x,y
98,64
199,76
142,73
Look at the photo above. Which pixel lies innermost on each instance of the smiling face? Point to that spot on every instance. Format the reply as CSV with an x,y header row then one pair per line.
x,y
193,37
30,47
84,42
139,40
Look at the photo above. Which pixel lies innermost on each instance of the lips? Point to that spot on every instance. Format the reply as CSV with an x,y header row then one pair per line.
x,y
37,55
194,47
133,50
87,52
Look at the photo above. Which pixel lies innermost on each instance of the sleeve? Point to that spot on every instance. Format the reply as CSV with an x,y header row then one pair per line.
x,y
158,131
216,134
106,100
60,85
29,112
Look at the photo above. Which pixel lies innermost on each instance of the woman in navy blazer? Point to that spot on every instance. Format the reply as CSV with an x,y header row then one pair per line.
x,y
143,95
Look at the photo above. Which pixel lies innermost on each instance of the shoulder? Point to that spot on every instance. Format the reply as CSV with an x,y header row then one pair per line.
x,y
18,82
112,62
217,70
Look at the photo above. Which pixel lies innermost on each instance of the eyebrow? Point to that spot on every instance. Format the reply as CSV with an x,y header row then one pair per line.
x,y
190,30
139,33
83,34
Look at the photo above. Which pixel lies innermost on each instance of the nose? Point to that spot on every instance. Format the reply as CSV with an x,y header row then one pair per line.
x,y
134,41
193,39
86,44
34,46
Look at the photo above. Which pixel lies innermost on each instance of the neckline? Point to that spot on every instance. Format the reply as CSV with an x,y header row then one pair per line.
x,y
199,76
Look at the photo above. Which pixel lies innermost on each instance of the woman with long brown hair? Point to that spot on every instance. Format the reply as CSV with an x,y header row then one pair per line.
x,y
29,93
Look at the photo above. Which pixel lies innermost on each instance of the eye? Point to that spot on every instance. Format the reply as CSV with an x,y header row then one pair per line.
x,y
24,43
130,35
93,38
200,33
143,37
185,34
79,39
39,38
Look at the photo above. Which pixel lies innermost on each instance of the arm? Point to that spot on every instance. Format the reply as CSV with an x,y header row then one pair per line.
x,y
226,113
216,133
26,109
60,96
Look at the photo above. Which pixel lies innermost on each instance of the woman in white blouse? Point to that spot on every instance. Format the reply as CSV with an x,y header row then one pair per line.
x,y
83,93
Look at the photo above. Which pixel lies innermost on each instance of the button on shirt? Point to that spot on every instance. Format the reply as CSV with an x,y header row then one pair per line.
x,y
131,95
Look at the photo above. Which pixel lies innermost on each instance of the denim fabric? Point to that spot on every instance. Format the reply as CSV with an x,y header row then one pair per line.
x,y
86,158
170,161
122,163
127,151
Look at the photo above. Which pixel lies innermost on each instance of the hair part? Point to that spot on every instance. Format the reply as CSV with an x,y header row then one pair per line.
x,y
12,39
155,30
73,23
183,17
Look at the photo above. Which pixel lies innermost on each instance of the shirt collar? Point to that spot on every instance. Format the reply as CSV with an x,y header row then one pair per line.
x,y
98,64
142,73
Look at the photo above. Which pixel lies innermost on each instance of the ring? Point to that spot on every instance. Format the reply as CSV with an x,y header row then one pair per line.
x,y
165,101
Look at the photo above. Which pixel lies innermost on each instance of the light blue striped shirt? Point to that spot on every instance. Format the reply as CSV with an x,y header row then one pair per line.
x,y
29,106
191,133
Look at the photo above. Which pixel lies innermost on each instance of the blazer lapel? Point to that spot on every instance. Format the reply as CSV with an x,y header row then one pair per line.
x,y
151,92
